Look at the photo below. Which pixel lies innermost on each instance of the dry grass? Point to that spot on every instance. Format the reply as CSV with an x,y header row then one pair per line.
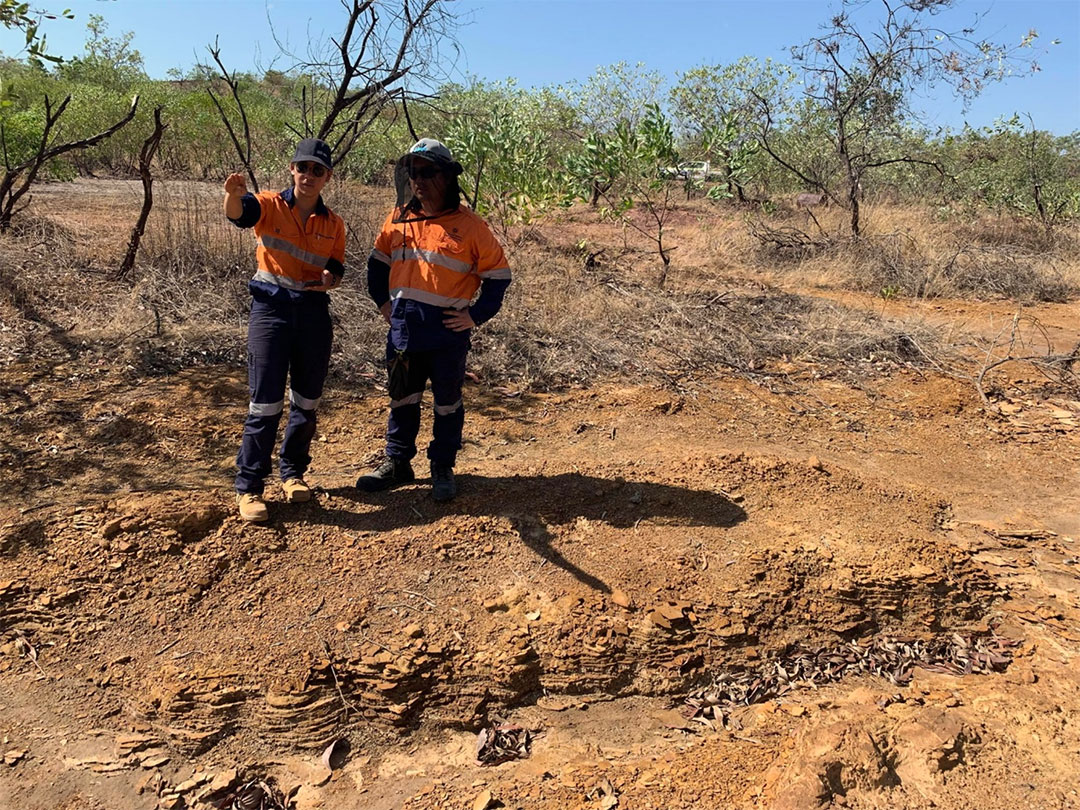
x,y
563,325
566,321
906,252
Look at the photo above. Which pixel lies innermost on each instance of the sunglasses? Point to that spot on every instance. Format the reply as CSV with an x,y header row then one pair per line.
x,y
423,172
314,169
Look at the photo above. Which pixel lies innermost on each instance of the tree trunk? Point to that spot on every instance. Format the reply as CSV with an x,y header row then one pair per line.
x,y
854,199
667,263
146,155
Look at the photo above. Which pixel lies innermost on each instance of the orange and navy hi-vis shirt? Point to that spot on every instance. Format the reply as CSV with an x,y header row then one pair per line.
x,y
436,263
291,256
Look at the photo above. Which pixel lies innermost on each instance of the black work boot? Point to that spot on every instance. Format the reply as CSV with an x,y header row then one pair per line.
x,y
443,487
393,472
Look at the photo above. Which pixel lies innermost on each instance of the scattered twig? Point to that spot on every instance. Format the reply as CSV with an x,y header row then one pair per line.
x,y
370,640
28,650
746,739
333,673
168,646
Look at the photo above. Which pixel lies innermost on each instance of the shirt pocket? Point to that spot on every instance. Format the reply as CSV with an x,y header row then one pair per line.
x,y
456,251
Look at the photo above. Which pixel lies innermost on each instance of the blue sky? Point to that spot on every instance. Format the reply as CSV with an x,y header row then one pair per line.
x,y
542,42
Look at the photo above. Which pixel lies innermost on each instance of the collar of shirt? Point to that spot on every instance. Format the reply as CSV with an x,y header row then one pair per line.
x,y
288,196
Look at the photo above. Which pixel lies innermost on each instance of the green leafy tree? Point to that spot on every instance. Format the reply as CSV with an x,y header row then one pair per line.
x,y
1019,169
859,78
512,144
21,16
613,95
108,62
640,150
594,167
714,107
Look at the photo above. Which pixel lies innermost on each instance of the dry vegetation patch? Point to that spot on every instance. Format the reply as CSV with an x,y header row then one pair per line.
x,y
585,305
910,251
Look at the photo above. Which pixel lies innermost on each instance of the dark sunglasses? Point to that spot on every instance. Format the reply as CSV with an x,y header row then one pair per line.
x,y
423,172
314,169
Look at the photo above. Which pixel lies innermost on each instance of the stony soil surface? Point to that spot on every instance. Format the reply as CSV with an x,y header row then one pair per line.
x,y
613,551
610,551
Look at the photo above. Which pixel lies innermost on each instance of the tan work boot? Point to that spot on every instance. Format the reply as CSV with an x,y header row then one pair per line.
x,y
296,491
252,507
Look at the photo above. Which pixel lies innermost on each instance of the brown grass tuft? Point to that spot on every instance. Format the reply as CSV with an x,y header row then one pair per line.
x,y
585,303
905,252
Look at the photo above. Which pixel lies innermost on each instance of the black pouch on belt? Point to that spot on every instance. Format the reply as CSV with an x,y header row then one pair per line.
x,y
398,381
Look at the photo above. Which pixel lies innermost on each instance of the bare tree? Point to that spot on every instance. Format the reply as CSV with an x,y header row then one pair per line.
x,y
146,157
860,78
382,48
18,178
243,150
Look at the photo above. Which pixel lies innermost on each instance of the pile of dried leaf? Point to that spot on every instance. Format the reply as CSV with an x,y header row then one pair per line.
x,y
888,658
253,795
501,743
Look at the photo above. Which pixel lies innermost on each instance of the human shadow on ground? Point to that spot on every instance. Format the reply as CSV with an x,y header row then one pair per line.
x,y
534,503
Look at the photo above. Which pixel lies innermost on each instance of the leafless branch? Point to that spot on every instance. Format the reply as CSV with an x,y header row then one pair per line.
x,y
364,72
10,193
1056,367
146,157
243,151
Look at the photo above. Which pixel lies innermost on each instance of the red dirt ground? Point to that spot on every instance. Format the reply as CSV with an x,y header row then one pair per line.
x,y
153,641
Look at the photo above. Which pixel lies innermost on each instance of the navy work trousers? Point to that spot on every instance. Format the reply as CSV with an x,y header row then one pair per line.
x,y
445,368
286,339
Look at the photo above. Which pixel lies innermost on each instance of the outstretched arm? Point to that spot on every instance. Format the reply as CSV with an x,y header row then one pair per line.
x,y
235,189
242,209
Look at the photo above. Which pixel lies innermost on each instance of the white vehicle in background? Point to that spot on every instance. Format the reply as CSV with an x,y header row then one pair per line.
x,y
700,170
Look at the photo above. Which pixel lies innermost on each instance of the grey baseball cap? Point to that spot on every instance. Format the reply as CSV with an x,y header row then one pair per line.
x,y
314,150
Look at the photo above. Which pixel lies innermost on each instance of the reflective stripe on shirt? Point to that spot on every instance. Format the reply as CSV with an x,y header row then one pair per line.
x,y
425,297
281,281
431,257
285,246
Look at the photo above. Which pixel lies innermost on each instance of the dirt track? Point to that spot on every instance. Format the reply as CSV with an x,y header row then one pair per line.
x,y
612,552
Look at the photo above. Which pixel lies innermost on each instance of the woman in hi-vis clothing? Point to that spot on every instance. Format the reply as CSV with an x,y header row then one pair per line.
x,y
301,253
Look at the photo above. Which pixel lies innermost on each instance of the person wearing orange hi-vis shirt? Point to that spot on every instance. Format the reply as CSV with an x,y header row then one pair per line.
x,y
431,258
301,253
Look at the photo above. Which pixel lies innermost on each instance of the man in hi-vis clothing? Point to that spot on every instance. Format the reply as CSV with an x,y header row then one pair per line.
x,y
301,253
431,258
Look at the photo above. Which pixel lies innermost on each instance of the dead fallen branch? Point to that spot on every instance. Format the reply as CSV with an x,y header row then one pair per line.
x,y
787,239
1056,367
